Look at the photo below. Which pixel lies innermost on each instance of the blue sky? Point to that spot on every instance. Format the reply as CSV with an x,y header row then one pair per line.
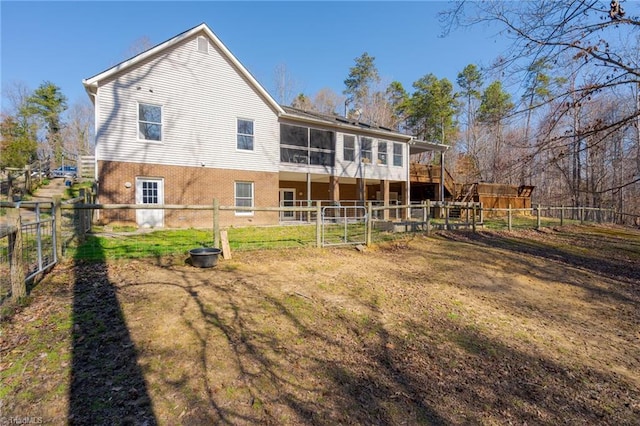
x,y
65,42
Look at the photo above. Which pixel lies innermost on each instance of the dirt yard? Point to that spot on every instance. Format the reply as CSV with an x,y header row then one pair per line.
x,y
530,327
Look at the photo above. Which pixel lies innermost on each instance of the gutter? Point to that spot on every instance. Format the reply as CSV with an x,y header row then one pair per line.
x,y
350,127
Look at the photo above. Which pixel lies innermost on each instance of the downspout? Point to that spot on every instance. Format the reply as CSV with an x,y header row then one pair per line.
x,y
442,175
408,180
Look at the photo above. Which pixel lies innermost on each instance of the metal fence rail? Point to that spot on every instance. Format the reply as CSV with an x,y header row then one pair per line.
x,y
51,230
27,247
344,225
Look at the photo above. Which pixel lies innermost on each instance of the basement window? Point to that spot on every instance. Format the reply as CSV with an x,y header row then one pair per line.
x,y
244,197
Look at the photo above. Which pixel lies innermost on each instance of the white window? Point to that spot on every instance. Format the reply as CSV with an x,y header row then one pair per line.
x,y
365,150
397,154
349,150
245,134
203,45
244,197
149,122
382,152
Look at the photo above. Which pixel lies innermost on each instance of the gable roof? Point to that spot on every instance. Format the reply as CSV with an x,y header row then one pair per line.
x,y
91,84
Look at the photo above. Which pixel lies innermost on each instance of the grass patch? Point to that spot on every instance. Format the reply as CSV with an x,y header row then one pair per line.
x,y
130,243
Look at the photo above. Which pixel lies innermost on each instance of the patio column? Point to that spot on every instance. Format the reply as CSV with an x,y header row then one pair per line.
x,y
334,188
362,189
405,199
384,188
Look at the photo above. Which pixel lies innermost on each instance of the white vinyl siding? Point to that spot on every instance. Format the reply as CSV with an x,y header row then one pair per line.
x,y
243,197
201,97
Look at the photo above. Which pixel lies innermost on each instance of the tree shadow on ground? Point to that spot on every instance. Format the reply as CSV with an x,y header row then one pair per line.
x,y
107,384
295,360
600,258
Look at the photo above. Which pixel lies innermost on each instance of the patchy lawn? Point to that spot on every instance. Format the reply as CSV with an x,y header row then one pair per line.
x,y
530,327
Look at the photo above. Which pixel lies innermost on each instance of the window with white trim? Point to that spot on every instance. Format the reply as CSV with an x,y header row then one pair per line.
x,y
244,197
382,152
304,145
365,150
349,149
397,154
245,134
149,122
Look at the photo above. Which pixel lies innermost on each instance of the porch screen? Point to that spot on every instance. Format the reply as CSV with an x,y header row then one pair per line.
x,y
303,145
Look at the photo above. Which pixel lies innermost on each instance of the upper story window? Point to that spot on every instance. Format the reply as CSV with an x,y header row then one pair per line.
x,y
149,122
397,154
349,149
382,152
245,134
303,145
365,150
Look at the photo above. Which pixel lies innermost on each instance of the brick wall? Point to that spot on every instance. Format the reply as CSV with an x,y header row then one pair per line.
x,y
186,185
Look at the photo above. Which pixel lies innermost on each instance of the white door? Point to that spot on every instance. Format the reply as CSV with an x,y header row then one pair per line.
x,y
287,199
150,191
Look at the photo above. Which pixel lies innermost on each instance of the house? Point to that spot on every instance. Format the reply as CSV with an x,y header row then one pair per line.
x,y
185,122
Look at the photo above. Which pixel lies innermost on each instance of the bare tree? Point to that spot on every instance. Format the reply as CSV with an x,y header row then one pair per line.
x,y
578,34
302,102
326,101
285,85
79,129
595,45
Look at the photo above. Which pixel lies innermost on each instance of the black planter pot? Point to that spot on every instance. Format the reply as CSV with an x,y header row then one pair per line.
x,y
204,257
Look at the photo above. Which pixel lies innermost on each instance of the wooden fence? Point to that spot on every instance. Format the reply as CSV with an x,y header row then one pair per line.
x,y
70,221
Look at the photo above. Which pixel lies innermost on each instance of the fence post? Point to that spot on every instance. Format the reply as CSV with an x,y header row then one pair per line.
x,y
473,218
318,224
16,267
581,214
538,216
428,216
509,217
216,223
57,234
446,215
369,223
38,236
466,211
481,213
27,179
561,215
82,226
